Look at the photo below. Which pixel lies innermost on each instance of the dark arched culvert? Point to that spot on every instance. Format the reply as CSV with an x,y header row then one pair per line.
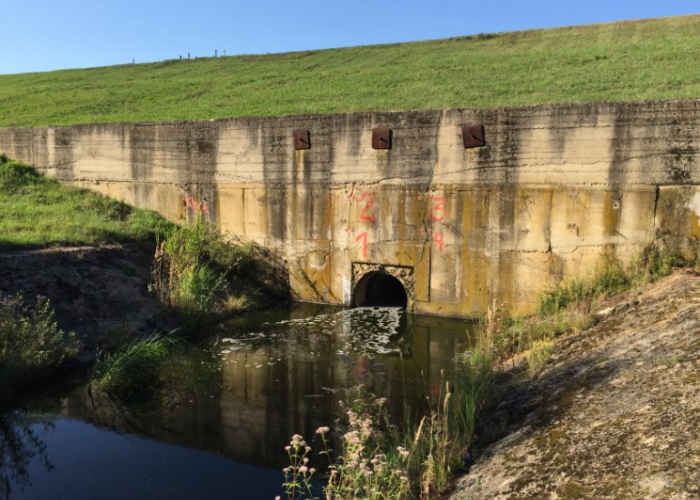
x,y
379,289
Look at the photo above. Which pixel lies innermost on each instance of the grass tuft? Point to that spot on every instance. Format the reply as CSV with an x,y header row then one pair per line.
x,y
201,275
131,376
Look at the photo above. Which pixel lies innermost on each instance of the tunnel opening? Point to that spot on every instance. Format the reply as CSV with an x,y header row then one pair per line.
x,y
380,289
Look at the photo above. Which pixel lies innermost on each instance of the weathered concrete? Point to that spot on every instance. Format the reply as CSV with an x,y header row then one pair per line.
x,y
554,190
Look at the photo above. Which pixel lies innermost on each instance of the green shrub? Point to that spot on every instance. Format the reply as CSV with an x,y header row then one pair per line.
x,y
31,343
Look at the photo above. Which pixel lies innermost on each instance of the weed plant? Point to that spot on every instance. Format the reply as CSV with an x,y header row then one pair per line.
x,y
37,211
384,462
31,344
370,464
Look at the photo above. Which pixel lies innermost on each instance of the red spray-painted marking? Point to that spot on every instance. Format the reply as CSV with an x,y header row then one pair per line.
x,y
439,238
438,212
363,236
364,215
190,202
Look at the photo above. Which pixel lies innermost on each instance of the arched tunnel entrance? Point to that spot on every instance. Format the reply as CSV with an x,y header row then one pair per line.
x,y
379,289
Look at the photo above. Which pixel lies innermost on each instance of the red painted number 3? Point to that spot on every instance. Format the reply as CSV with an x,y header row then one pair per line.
x,y
438,212
364,215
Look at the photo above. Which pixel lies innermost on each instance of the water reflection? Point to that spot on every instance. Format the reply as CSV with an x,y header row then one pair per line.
x,y
266,377
262,378
21,443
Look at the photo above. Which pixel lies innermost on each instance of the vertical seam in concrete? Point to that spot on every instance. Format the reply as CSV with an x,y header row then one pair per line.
x,y
656,206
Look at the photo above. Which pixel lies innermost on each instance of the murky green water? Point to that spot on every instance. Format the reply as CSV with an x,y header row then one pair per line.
x,y
228,409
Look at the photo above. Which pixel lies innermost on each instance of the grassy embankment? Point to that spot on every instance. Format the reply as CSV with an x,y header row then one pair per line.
x,y
199,274
38,212
635,60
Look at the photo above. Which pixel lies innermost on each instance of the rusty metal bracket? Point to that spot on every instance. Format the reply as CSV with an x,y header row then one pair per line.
x,y
381,138
473,136
302,139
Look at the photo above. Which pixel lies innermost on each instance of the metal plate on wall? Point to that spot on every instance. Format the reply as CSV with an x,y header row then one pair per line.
x,y
473,136
302,139
381,138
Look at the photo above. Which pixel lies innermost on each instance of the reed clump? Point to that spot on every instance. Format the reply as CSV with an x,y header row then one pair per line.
x,y
201,275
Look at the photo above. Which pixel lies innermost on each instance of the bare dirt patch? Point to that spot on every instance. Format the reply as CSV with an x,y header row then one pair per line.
x,y
615,414
101,293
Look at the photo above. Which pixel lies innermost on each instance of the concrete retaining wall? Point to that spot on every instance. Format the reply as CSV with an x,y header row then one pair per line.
x,y
553,191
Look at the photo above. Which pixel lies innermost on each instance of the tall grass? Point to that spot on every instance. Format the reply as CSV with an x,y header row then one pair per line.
x,y
200,275
36,211
195,272
132,375
647,59
31,344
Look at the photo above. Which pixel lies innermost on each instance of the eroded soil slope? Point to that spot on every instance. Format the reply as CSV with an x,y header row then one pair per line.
x,y
616,413
101,293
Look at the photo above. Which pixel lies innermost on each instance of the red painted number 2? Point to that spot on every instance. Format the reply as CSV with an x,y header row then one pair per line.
x,y
363,237
364,215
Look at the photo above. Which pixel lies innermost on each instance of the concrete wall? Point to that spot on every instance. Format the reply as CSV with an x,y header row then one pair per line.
x,y
554,190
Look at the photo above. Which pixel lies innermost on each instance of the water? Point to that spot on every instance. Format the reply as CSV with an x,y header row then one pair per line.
x,y
228,409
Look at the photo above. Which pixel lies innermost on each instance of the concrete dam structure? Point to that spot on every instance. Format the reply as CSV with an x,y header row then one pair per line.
x,y
446,210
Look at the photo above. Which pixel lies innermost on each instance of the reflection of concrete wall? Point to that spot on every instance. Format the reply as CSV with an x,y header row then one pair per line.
x,y
263,405
258,407
554,189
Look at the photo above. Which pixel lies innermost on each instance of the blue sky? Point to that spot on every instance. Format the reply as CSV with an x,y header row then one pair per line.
x,y
43,35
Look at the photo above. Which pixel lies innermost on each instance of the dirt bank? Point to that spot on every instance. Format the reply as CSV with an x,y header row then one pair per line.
x,y
101,293
616,413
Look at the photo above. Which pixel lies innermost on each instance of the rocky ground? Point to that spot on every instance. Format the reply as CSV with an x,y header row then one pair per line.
x,y
615,414
101,293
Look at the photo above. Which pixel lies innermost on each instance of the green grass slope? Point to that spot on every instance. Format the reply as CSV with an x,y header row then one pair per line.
x,y
36,211
634,60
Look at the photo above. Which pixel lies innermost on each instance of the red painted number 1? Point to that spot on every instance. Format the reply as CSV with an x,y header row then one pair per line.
x,y
363,236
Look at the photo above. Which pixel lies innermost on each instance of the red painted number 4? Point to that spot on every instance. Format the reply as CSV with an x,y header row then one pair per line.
x,y
439,238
